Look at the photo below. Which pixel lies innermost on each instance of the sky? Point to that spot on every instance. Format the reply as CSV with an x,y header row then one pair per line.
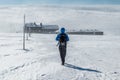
x,y
14,2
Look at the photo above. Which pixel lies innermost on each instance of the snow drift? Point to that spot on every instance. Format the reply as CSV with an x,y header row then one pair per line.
x,y
88,58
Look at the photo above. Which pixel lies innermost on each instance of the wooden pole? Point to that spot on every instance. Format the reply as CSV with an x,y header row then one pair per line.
x,y
29,32
24,34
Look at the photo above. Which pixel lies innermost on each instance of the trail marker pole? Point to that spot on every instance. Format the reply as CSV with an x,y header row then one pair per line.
x,y
24,34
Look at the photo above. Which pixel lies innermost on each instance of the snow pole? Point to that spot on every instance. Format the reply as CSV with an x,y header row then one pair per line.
x,y
29,32
24,34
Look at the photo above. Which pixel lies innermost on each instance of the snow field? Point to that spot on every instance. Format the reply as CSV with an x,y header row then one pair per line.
x,y
88,58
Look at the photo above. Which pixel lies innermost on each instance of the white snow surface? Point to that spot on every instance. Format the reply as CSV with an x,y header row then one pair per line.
x,y
88,58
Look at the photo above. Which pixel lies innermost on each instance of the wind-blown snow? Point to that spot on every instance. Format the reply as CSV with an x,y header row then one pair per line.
x,y
104,18
88,58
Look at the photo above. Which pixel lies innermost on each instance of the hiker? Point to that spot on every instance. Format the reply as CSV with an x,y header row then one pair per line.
x,y
62,39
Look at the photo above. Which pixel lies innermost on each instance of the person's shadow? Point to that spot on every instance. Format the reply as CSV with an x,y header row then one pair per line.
x,y
80,68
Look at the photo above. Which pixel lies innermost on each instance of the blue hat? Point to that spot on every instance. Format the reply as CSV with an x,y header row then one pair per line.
x,y
62,30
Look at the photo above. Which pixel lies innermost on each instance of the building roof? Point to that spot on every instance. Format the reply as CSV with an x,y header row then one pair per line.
x,y
31,25
42,26
50,27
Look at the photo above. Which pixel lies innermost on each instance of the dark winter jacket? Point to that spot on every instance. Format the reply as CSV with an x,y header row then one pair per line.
x,y
62,32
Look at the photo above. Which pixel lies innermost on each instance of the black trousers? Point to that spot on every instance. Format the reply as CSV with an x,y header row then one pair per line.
x,y
62,50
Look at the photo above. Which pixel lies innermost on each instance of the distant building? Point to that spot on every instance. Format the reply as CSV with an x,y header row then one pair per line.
x,y
87,32
34,28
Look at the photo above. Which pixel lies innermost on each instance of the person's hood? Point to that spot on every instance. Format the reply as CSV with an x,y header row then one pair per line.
x,y
62,30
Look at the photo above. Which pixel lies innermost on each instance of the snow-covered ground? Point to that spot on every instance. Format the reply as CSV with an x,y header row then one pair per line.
x,y
88,58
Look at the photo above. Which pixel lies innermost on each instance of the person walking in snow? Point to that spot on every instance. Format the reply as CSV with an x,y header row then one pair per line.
x,y
62,39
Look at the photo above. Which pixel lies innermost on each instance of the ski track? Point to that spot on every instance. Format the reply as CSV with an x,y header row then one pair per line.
x,y
40,60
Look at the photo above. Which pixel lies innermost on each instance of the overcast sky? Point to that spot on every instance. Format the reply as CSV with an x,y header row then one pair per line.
x,y
12,2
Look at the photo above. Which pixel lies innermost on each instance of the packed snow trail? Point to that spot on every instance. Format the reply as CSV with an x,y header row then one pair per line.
x,y
88,58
